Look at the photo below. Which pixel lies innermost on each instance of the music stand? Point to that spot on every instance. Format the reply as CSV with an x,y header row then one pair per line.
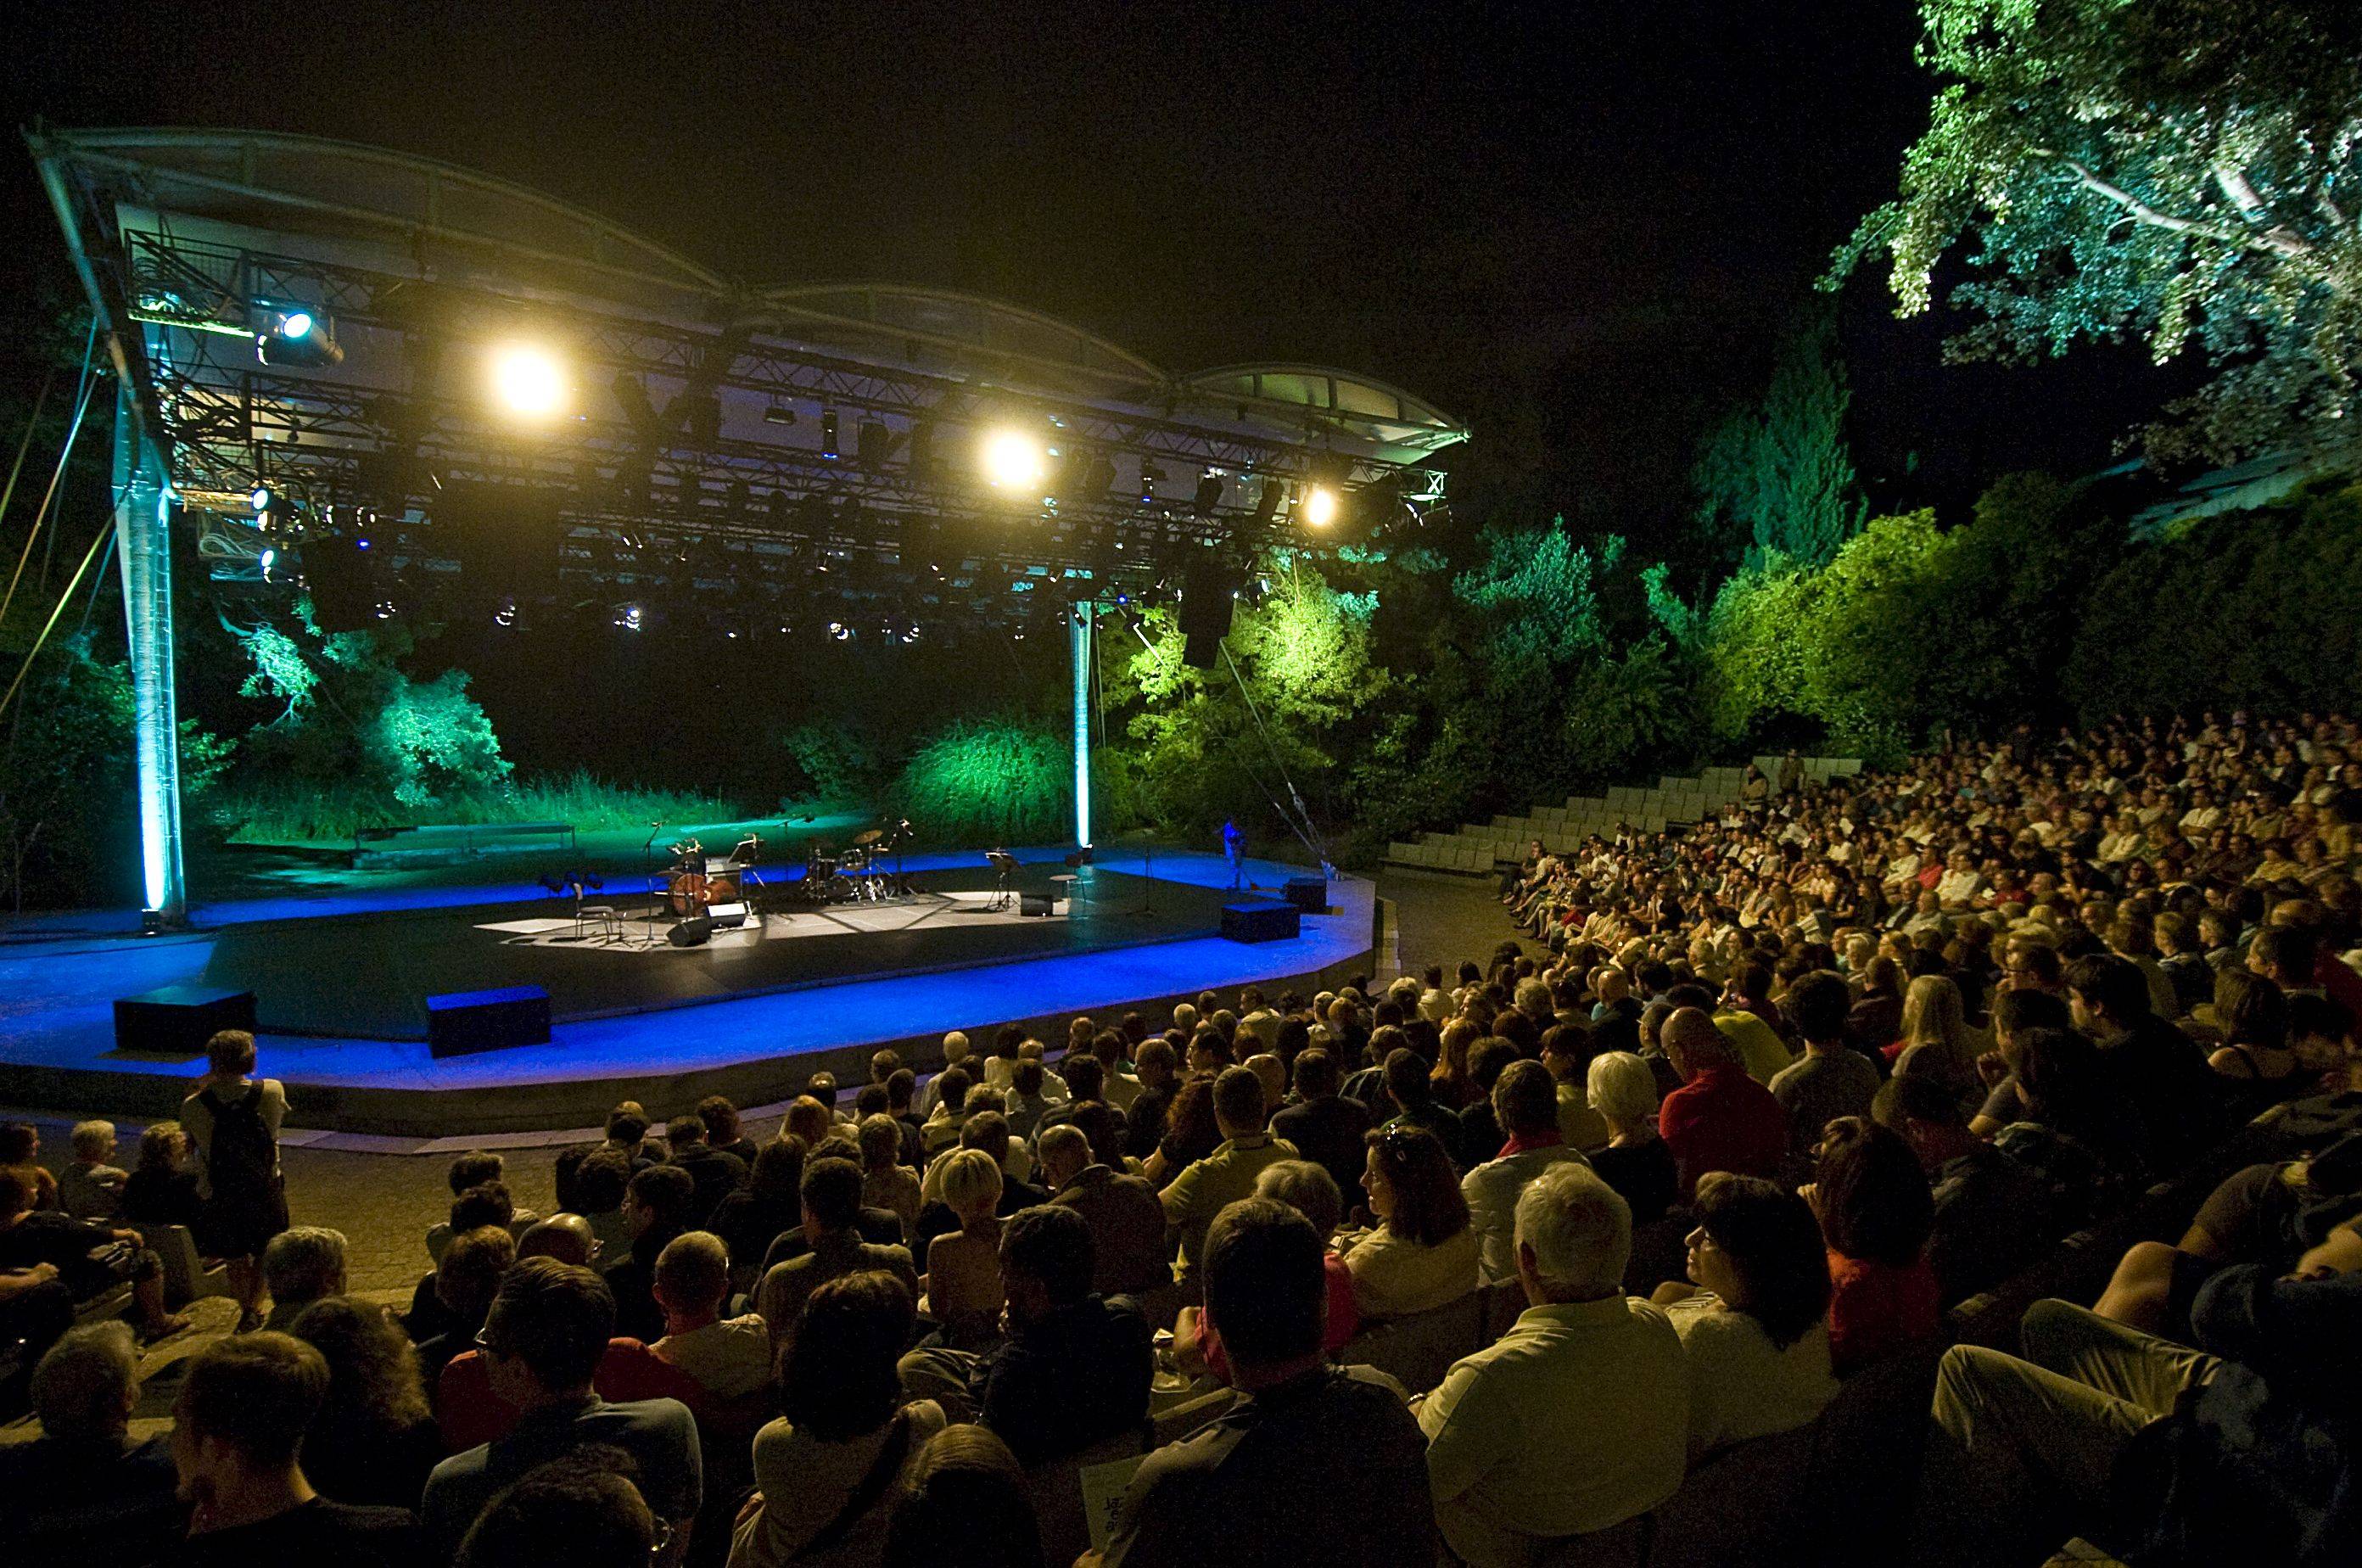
x,y
1004,865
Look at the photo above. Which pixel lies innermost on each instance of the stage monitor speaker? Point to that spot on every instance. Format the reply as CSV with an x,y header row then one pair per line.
x,y
341,574
1036,904
459,1023
504,536
1206,602
1261,920
177,1020
694,931
726,917
1308,894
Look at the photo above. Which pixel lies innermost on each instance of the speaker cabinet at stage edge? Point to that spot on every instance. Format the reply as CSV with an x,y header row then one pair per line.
x,y
1036,904
177,1020
459,1023
1261,920
1308,894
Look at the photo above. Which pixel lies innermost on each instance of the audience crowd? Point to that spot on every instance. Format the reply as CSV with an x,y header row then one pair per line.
x,y
1763,1100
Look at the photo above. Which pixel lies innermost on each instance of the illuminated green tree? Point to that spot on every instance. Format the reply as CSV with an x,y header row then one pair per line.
x,y
2186,171
1776,480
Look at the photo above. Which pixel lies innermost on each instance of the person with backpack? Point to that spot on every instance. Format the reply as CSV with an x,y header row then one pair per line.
x,y
233,1123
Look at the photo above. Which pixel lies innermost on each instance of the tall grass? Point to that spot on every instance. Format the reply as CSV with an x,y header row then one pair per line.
x,y
265,813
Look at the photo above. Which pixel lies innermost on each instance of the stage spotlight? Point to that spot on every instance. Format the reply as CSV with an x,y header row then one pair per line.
x,y
291,334
828,432
259,499
839,631
1148,477
778,412
528,381
295,323
1267,499
1319,508
1209,492
1012,460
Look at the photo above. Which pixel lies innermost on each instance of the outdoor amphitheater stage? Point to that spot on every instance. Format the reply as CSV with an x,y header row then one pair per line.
x,y
341,983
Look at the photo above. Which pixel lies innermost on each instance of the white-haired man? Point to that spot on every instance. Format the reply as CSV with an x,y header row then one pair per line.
x,y
1577,1418
956,1052
304,1264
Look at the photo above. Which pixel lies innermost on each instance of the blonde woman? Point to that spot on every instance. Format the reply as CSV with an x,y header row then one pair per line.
x,y
1936,1038
963,1282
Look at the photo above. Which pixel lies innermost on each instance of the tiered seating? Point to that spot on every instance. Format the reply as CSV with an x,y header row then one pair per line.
x,y
1672,801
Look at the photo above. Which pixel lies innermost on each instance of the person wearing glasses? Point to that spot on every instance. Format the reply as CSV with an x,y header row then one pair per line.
x,y
542,1343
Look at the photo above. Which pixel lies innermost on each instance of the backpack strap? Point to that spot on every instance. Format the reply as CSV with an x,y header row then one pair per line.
x,y
864,1497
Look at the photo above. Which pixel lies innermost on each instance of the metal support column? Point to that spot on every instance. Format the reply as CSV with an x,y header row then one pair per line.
x,y
1083,624
143,507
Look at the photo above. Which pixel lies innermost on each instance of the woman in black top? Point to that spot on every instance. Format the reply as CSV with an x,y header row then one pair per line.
x,y
374,1438
1636,1162
163,1189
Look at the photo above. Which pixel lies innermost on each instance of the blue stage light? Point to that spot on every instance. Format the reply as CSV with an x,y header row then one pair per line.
x,y
295,323
259,499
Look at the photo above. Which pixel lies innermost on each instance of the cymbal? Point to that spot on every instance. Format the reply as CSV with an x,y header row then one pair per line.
x,y
869,835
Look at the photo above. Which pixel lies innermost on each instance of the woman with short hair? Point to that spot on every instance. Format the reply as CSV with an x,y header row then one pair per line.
x,y
963,1279
1423,1253
1636,1162
233,1122
1755,1335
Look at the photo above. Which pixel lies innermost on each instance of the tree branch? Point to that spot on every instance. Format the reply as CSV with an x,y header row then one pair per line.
x,y
2278,242
2277,235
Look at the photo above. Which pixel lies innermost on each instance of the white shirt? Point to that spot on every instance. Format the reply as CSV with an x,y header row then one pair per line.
x,y
730,1359
1395,1277
1491,1190
1574,1421
1741,1385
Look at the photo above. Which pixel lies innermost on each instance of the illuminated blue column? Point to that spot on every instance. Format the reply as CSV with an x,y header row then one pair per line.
x,y
143,537
1081,627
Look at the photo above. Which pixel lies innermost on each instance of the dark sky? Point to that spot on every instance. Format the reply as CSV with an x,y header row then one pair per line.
x,y
1583,226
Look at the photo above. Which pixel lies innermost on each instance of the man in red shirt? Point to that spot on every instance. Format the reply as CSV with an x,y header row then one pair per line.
x,y
1720,1119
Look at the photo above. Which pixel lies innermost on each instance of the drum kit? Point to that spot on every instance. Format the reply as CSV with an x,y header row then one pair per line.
x,y
858,874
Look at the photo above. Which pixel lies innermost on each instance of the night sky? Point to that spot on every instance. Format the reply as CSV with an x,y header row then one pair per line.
x,y
1584,227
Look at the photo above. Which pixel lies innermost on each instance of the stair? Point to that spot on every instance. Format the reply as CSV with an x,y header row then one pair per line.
x,y
1474,848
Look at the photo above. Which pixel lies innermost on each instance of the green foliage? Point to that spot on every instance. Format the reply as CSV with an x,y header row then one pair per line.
x,y
831,763
995,781
2186,170
1775,482
262,812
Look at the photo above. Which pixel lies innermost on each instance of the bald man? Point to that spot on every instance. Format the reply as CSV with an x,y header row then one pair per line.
x,y
1720,1119
565,1237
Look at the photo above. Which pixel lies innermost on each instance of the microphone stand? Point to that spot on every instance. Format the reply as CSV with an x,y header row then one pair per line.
x,y
655,898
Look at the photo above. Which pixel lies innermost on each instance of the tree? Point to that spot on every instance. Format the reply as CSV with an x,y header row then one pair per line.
x,y
2189,172
1776,479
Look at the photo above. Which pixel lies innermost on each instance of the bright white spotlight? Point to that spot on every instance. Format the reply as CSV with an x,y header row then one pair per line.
x,y
528,381
295,323
1320,506
1012,460
261,498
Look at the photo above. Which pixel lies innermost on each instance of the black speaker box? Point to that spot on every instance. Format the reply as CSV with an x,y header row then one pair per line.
x,y
459,1022
694,931
1309,894
1261,920
177,1020
1036,904
504,536
1207,604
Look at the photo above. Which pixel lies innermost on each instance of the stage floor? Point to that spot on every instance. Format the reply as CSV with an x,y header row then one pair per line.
x,y
661,1027
368,976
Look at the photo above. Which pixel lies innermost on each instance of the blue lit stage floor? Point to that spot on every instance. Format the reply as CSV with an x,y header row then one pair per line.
x,y
661,1026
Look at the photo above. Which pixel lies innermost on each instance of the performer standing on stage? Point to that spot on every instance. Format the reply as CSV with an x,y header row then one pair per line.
x,y
1233,843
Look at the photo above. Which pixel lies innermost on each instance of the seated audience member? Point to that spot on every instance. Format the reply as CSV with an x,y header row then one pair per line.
x,y
1831,1078
2082,1143
770,1206
627,1135
832,1205
161,1189
1480,1131
730,1358
374,1440
886,1182
486,1203
950,1090
963,1293
957,1052
1145,1118
1319,1465
1077,1365
1423,1253
565,1237
238,1424
86,1257
1875,1210
657,1206
476,1168
600,1183
1720,1119
713,1175
1574,1421
1524,1107
465,1281
1325,1127
965,1503
20,1150
1305,1187
2146,1063
2239,1449
1127,1223
2016,1013
91,1187
985,1128
85,1490
1936,1038
1411,1094
724,1133
582,1511
2253,1015
1992,1215
1028,1098
1755,1335
1637,1162
1227,1174
826,1470
547,1330
304,1264
1566,1052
